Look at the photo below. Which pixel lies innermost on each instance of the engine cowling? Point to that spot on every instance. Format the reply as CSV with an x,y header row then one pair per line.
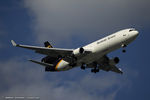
x,y
114,61
78,51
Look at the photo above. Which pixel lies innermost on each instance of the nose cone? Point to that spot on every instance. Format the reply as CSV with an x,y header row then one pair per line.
x,y
135,33
132,35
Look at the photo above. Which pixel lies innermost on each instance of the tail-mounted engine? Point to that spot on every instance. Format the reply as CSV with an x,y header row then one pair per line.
x,y
114,61
47,44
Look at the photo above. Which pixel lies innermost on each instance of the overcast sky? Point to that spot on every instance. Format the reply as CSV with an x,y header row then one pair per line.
x,y
72,24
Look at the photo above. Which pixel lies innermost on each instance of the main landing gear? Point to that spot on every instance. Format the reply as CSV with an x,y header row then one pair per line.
x,y
124,51
123,46
94,70
83,66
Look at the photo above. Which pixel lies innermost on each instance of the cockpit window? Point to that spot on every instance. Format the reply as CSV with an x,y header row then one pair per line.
x,y
131,30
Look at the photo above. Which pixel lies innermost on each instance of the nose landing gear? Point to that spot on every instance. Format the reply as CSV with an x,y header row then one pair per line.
x,y
123,46
124,51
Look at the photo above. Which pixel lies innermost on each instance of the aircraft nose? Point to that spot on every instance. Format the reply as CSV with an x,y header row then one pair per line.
x,y
135,33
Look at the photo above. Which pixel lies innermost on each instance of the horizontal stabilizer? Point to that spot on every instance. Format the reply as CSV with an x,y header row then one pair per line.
x,y
41,63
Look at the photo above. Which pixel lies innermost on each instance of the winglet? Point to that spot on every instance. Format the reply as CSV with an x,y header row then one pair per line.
x,y
13,43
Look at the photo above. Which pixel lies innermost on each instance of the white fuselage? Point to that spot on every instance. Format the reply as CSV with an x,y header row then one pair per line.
x,y
102,47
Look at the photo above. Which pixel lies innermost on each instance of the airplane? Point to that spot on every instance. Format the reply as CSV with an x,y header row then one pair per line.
x,y
93,55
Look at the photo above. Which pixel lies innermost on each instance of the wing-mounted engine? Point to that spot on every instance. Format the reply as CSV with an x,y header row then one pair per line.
x,y
110,64
78,51
81,51
114,61
106,62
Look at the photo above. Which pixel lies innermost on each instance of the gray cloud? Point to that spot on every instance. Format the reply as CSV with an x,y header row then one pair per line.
x,y
20,78
61,20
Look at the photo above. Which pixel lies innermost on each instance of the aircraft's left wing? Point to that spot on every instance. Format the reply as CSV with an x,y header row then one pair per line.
x,y
54,52
103,64
104,61
42,63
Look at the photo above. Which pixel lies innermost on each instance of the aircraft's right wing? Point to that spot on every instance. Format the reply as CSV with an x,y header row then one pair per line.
x,y
53,52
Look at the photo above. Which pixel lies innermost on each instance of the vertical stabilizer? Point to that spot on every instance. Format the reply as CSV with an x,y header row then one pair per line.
x,y
47,44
